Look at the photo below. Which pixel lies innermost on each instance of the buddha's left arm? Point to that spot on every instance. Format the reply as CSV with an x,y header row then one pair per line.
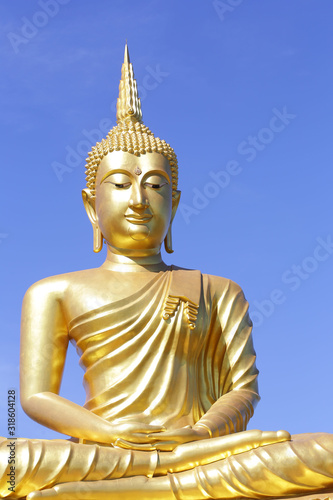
x,y
235,371
229,376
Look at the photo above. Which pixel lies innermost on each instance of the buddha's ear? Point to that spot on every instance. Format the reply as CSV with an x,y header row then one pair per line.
x,y
175,203
89,205
168,238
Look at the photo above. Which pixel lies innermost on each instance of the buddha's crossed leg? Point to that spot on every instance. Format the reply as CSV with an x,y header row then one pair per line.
x,y
254,470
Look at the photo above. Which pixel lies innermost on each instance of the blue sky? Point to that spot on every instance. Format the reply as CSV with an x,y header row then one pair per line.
x,y
243,92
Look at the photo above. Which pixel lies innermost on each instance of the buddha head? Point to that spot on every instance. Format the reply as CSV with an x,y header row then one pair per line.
x,y
131,196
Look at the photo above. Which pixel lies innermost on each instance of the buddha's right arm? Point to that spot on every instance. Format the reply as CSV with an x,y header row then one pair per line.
x,y
61,415
44,342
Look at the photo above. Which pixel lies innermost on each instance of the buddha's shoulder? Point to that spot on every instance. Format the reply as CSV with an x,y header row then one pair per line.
x,y
222,288
58,285
215,285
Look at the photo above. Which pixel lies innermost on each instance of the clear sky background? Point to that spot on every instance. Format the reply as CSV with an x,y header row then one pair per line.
x,y
243,92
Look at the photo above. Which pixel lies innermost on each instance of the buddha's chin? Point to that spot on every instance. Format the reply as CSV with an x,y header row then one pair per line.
x,y
138,232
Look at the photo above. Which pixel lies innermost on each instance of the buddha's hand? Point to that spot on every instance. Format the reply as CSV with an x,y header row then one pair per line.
x,y
166,440
137,433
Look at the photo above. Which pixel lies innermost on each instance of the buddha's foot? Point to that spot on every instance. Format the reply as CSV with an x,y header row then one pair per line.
x,y
208,451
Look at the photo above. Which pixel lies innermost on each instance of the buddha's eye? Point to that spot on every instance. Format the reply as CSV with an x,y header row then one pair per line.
x,y
124,185
119,180
155,181
155,186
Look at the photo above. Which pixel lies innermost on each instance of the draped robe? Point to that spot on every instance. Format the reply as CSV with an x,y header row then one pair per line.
x,y
178,352
158,357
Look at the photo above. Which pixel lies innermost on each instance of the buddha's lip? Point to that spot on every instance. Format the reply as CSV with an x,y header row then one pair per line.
x,y
138,219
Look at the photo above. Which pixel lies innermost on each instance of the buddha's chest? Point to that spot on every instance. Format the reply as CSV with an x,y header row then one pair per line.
x,y
144,326
131,349
143,313
103,289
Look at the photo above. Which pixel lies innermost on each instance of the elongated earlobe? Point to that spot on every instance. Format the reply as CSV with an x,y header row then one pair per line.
x,y
168,238
168,241
98,238
89,205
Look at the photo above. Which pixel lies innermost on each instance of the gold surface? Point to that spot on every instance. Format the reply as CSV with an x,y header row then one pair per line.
x,y
169,364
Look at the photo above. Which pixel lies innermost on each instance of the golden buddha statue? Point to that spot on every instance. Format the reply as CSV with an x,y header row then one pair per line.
x,y
170,373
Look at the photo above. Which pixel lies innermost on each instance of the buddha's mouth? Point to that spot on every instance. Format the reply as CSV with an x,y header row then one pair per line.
x,y
138,219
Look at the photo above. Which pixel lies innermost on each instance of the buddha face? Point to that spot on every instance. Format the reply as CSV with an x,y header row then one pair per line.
x,y
133,206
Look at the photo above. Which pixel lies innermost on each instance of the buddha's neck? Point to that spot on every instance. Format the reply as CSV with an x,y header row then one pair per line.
x,y
116,261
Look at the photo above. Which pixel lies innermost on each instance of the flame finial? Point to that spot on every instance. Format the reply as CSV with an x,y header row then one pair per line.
x,y
128,103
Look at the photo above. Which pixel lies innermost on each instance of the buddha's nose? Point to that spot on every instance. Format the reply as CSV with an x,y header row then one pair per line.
x,y
138,199
139,205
